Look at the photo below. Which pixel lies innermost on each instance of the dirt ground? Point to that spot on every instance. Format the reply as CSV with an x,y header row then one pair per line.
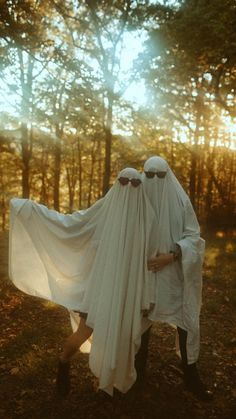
x,y
32,332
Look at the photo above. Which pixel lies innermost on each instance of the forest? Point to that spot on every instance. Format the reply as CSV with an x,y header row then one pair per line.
x,y
87,88
90,87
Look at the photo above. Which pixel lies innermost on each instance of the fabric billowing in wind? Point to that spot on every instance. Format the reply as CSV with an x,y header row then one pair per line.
x,y
178,287
93,261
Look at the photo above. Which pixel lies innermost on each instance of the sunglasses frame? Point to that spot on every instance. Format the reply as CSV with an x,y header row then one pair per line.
x,y
151,175
124,181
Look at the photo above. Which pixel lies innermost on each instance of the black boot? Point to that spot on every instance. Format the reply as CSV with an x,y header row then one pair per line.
x,y
192,379
141,357
63,379
194,383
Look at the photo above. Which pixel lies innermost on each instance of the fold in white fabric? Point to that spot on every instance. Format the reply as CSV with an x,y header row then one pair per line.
x,y
93,261
178,287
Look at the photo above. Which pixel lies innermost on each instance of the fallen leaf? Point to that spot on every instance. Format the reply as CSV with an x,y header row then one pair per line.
x,y
14,371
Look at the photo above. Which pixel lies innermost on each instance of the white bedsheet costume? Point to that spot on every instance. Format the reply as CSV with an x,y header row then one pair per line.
x,y
95,262
178,290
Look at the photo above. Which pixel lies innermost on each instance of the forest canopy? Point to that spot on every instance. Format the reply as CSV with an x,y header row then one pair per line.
x,y
90,87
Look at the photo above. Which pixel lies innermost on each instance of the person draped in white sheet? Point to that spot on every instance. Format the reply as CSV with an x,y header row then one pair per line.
x,y
178,265
94,262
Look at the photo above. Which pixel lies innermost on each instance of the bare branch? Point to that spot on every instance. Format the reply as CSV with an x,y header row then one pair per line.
x,y
97,31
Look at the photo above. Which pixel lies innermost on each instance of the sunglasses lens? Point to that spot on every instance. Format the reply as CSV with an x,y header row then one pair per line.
x,y
123,180
150,175
161,174
135,182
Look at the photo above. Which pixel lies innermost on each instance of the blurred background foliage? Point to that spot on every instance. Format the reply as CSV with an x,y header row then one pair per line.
x,y
69,123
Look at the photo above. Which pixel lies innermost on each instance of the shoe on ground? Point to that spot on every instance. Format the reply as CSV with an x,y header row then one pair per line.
x,y
194,384
63,379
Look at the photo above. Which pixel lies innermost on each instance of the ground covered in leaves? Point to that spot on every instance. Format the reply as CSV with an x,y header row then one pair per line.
x,y
32,332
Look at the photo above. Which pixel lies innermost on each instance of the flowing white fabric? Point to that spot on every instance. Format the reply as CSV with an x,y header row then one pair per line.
x,y
178,289
95,262
51,253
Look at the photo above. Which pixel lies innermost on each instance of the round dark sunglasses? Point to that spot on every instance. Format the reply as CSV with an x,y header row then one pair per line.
x,y
125,181
151,175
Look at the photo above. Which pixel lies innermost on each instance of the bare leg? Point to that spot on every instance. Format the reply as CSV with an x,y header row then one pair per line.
x,y
72,344
74,341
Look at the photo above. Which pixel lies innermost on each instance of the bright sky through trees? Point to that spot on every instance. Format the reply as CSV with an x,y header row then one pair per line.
x,y
133,45
135,93
89,87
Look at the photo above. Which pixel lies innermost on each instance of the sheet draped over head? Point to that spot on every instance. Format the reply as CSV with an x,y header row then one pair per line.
x,y
95,262
179,285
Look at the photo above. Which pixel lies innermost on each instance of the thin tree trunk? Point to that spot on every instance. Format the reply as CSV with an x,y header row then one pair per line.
x,y
194,155
192,182
108,142
57,170
3,202
43,191
91,174
80,172
25,160
26,80
99,173
70,189
71,174
232,177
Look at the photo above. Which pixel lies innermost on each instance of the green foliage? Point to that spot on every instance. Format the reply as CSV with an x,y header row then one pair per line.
x,y
72,129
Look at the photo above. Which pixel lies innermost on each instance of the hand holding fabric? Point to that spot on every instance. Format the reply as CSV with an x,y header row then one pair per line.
x,y
159,261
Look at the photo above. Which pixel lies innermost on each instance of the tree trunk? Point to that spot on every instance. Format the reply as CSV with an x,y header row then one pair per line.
x,y
43,191
80,172
4,211
232,178
71,174
194,155
57,171
91,174
26,79
108,142
25,152
3,202
70,189
99,173
192,181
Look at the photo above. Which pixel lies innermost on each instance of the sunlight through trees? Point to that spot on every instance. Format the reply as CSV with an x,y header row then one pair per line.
x,y
89,87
